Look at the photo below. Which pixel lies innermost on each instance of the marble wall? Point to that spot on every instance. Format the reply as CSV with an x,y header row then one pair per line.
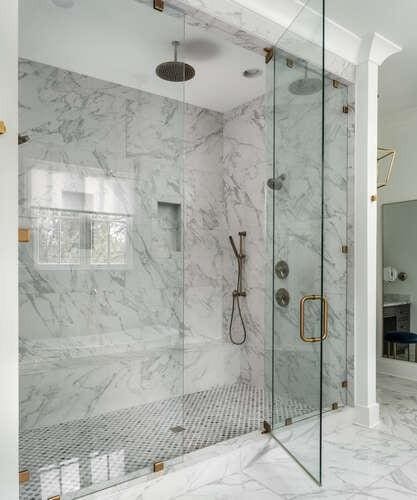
x,y
96,338
298,238
245,173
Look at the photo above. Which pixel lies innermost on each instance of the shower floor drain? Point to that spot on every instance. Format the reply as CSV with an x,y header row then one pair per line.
x,y
177,429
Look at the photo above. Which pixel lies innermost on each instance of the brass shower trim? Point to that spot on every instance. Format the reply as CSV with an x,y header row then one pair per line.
x,y
382,154
269,54
159,5
3,128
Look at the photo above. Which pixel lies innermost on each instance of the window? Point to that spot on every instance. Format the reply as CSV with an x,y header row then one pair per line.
x,y
71,238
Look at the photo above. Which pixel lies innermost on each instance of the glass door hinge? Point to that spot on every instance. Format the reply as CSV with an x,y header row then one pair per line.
x,y
24,476
345,249
267,429
158,466
344,384
269,54
335,406
288,421
345,109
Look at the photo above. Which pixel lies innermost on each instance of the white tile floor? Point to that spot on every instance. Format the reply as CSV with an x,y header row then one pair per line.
x,y
358,463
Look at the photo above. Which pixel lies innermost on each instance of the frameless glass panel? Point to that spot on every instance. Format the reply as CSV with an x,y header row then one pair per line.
x,y
337,245
298,308
101,293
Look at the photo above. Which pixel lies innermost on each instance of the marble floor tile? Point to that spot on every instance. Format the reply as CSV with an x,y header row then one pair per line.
x,y
401,484
356,457
358,463
233,487
397,384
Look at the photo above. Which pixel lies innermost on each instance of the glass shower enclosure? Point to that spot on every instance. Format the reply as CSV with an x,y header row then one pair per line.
x,y
306,228
101,258
130,187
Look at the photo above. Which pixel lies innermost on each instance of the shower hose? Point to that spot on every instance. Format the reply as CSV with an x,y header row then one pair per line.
x,y
235,302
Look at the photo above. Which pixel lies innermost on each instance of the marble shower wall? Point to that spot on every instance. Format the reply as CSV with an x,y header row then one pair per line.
x,y
298,227
245,173
96,338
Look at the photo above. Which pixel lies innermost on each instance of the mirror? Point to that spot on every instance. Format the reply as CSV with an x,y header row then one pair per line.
x,y
399,226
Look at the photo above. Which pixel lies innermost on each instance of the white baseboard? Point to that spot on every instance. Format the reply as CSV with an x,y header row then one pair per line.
x,y
367,416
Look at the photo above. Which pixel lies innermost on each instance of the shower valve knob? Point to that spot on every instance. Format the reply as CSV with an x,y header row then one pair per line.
x,y
282,297
282,270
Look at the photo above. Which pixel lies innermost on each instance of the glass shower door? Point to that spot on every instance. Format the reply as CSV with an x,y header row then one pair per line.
x,y
101,263
298,308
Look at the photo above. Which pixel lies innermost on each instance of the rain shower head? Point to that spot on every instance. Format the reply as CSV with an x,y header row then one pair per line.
x,y
175,71
306,85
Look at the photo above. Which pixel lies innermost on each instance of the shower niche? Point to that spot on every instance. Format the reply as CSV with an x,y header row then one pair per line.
x,y
169,226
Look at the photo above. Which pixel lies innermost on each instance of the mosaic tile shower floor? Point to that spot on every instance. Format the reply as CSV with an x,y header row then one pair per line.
x,y
74,455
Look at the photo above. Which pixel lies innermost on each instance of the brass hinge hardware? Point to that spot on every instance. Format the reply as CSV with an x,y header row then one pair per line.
x,y
344,384
345,249
3,128
374,198
290,63
335,406
269,54
24,235
267,429
288,421
345,109
159,5
158,466
336,84
24,476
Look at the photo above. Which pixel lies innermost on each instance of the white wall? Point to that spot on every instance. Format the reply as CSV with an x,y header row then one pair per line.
x,y
8,254
399,131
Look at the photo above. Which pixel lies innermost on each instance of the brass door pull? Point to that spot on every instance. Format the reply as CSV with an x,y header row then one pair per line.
x,y
325,322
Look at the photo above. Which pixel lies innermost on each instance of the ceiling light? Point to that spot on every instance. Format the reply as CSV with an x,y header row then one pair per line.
x,y
66,4
252,73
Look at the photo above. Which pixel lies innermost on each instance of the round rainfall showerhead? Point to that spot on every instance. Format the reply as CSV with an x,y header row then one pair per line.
x,y
305,86
175,71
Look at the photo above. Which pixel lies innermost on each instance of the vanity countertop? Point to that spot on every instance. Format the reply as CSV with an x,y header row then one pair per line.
x,y
395,299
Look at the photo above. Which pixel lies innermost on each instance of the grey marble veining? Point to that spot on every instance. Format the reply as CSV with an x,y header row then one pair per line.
x,y
359,464
100,339
93,339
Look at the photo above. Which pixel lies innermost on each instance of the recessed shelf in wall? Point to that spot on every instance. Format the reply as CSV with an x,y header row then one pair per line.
x,y
169,217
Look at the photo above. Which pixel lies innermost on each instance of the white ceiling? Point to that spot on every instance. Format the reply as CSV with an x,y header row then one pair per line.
x,y
397,21
123,41
393,19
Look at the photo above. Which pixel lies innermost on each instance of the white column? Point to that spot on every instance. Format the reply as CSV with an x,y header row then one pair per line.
x,y
374,50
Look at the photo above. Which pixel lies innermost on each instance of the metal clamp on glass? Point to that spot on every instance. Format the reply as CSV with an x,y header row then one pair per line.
x,y
325,322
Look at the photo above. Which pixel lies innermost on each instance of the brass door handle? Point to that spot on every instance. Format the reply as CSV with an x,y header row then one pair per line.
x,y
325,322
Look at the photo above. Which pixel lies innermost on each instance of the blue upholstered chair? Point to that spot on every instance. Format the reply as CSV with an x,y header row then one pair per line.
x,y
407,338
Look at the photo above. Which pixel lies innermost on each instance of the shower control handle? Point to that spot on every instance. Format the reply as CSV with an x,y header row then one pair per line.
x,y
282,297
282,270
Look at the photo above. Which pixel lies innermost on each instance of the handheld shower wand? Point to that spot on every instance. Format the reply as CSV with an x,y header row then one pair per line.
x,y
239,292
